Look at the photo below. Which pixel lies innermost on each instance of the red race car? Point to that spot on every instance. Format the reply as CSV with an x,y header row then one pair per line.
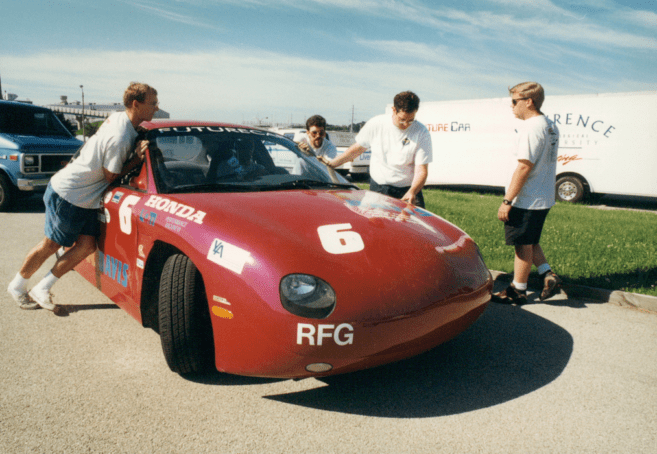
x,y
246,255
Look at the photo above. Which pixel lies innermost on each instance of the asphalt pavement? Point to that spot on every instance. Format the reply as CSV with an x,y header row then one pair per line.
x,y
567,375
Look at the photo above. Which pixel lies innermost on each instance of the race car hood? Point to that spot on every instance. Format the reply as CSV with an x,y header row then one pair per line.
x,y
409,255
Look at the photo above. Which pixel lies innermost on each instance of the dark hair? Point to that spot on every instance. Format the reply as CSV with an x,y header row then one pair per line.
x,y
406,101
137,92
316,120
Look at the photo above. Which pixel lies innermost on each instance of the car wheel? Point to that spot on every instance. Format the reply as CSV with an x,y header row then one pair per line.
x,y
5,193
184,318
570,189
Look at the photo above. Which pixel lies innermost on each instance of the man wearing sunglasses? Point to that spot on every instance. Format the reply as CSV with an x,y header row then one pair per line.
x,y
530,194
401,151
74,195
315,140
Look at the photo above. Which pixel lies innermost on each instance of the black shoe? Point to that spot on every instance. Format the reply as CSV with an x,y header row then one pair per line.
x,y
510,295
551,285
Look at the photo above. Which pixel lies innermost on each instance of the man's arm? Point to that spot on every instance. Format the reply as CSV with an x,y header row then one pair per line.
x,y
352,153
140,153
518,180
419,178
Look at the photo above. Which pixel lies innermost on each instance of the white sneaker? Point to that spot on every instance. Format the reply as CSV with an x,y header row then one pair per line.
x,y
43,299
23,299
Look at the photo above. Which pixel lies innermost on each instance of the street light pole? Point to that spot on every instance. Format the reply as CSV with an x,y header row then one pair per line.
x,y
84,136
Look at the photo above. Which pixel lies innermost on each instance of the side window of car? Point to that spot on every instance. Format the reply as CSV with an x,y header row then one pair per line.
x,y
179,148
183,160
284,158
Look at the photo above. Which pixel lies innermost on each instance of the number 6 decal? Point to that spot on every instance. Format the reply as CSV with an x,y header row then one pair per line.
x,y
125,213
339,239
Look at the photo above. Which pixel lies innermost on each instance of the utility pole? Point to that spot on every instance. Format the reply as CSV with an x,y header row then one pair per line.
x,y
351,126
84,136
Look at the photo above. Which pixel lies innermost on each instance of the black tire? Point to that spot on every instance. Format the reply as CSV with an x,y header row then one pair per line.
x,y
184,317
6,193
570,189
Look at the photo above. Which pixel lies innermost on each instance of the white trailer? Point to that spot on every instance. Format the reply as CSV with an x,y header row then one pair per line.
x,y
608,143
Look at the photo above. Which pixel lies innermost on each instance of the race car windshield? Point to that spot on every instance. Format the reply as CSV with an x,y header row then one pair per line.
x,y
221,159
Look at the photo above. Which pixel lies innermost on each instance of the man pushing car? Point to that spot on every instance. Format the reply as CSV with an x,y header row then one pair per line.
x,y
74,195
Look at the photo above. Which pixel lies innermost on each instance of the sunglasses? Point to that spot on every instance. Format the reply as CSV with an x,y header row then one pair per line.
x,y
515,101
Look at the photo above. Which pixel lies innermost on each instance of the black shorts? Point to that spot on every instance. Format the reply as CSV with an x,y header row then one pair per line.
x,y
524,226
396,192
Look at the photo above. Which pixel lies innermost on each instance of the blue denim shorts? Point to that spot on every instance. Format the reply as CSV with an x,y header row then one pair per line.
x,y
66,222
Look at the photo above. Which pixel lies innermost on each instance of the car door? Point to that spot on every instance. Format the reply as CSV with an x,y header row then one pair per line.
x,y
118,262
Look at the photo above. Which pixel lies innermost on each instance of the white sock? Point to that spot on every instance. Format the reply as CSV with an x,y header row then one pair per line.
x,y
520,286
19,283
46,283
544,268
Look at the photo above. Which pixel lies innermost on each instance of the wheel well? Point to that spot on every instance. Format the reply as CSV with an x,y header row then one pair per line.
x,y
7,175
587,187
151,283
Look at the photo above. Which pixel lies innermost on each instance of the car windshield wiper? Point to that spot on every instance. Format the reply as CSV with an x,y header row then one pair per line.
x,y
218,187
306,184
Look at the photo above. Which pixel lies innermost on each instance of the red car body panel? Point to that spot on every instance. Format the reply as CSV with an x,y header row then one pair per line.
x,y
417,281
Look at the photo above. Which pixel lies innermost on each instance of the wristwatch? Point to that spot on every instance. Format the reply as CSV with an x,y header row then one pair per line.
x,y
507,202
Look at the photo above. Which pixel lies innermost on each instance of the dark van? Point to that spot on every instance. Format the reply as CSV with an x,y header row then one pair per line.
x,y
34,145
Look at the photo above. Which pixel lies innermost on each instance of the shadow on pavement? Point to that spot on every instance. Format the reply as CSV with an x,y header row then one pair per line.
x,y
28,204
589,288
506,354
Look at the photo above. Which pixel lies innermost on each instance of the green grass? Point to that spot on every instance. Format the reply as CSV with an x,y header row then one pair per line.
x,y
615,250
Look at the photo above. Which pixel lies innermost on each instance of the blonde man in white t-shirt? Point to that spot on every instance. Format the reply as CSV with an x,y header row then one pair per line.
x,y
73,197
401,151
530,194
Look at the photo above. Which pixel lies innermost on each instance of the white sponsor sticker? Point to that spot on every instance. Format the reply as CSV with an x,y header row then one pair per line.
x,y
228,256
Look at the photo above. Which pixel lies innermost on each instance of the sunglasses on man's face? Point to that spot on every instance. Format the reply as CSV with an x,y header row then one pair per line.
x,y
515,101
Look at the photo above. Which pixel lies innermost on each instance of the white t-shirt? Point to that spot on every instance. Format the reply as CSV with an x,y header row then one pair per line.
x,y
82,182
538,142
327,149
395,152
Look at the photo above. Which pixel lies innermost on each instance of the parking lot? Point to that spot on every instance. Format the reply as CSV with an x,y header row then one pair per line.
x,y
566,375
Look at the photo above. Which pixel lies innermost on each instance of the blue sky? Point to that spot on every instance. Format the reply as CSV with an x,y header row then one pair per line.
x,y
284,60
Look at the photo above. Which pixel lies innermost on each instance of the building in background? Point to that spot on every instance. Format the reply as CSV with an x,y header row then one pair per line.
x,y
92,112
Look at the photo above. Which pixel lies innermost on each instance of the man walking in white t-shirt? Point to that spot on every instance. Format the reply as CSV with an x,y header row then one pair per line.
x,y
401,151
530,194
74,195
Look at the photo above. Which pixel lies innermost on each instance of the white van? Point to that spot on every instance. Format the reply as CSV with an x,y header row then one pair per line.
x,y
608,143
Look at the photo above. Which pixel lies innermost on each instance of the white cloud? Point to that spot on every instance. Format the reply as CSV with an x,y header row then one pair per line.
x,y
170,15
227,85
538,19
240,85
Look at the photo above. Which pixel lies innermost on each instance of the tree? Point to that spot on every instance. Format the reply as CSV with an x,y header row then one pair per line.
x,y
68,124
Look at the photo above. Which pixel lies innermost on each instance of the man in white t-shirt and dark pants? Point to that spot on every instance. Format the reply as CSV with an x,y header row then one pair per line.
x,y
530,194
401,151
74,195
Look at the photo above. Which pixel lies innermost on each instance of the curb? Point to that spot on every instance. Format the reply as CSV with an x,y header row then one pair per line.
x,y
617,297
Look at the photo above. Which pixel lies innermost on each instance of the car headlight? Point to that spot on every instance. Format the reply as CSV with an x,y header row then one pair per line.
x,y
29,160
307,296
